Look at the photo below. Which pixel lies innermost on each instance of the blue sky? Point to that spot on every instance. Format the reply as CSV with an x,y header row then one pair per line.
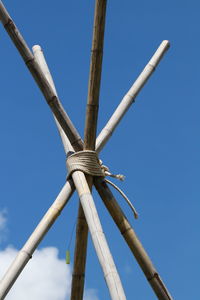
x,y
156,145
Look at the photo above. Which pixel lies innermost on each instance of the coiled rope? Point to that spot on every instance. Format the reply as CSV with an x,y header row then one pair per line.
x,y
88,162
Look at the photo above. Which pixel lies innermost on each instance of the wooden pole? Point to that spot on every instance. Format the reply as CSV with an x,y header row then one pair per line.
x,y
26,252
89,143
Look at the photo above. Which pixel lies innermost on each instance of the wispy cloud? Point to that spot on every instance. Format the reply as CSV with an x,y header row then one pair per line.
x,y
46,277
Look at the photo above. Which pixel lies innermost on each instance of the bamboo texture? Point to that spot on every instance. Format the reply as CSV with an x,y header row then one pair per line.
x,y
105,258
95,75
80,254
40,59
89,142
4,20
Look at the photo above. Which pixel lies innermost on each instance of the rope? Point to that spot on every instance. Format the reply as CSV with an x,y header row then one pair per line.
x,y
88,162
124,196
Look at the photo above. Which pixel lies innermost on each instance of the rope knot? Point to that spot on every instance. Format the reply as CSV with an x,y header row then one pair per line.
x,y
88,162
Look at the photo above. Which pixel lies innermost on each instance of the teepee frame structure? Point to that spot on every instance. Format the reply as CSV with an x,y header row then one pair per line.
x,y
72,142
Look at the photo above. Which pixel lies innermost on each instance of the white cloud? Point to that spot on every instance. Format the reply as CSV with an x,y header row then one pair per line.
x,y
46,277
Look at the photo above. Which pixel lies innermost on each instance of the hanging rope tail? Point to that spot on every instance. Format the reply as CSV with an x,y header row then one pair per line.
x,y
88,162
124,196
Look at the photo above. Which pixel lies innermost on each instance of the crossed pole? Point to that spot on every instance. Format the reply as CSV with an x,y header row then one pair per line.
x,y
87,214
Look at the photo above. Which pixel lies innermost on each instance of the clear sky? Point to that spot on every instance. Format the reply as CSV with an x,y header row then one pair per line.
x,y
156,146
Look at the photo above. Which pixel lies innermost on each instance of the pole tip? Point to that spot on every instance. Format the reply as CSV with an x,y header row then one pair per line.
x,y
36,48
166,43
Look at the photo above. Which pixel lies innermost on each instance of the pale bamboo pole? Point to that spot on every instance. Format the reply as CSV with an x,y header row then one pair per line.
x,y
103,252
129,98
89,143
40,59
26,252
104,255
132,241
81,228
49,94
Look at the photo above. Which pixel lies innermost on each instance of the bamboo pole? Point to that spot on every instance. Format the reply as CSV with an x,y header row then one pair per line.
x,y
105,258
81,228
26,252
80,254
89,143
105,193
129,98
103,252
95,75
50,96
132,241
40,59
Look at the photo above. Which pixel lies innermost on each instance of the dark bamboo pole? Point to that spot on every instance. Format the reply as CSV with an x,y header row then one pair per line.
x,y
45,87
95,75
89,143
132,241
